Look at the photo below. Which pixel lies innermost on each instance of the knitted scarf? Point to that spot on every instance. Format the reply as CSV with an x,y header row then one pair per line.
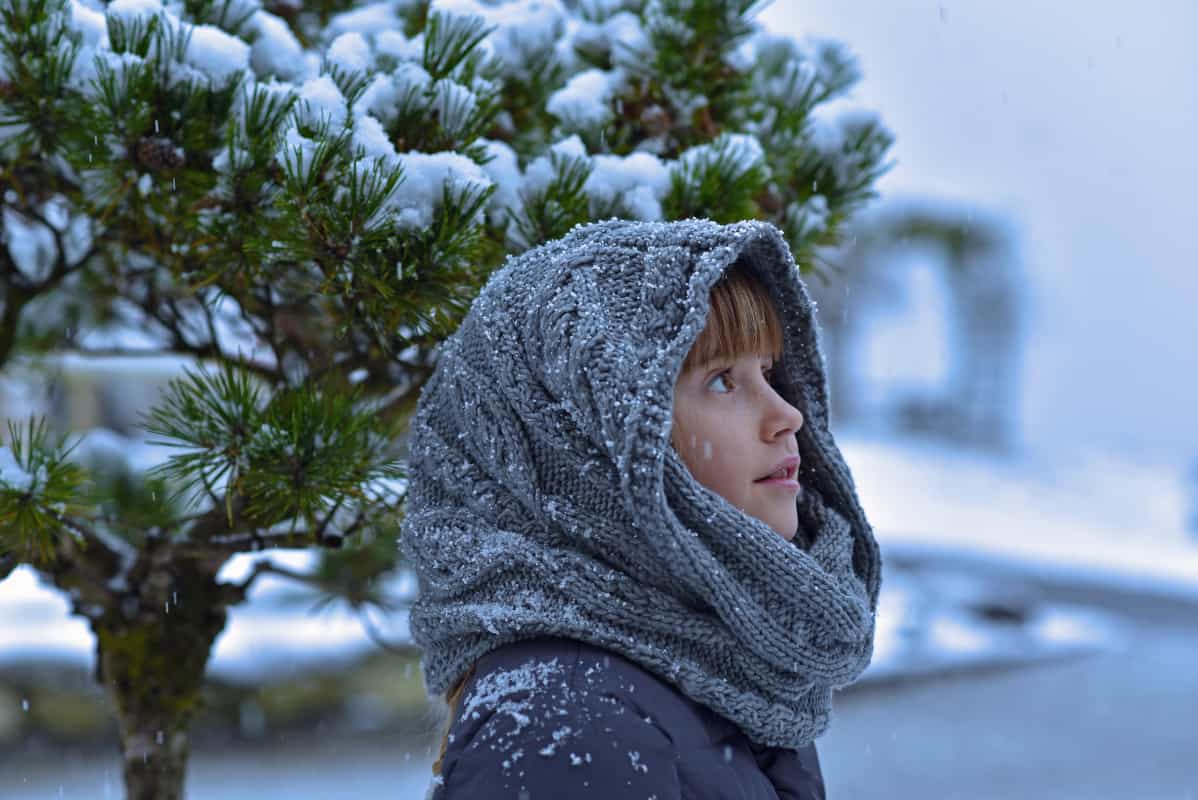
x,y
544,497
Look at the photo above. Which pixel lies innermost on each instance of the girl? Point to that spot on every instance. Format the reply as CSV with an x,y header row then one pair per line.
x,y
643,567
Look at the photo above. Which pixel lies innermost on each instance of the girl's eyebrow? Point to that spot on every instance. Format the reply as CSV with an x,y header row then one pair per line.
x,y
727,360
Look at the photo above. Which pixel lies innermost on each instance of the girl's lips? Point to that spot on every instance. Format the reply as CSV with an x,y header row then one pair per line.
x,y
786,469
785,483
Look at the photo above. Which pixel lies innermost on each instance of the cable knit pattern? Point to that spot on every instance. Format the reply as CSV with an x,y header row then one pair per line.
x,y
544,497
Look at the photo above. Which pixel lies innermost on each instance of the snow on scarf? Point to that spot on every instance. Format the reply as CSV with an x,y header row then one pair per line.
x,y
544,497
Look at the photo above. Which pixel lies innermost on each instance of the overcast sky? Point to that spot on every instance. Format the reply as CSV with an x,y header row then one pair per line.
x,y
1079,120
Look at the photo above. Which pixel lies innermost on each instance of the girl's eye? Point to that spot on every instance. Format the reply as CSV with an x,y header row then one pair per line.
x,y
767,372
723,376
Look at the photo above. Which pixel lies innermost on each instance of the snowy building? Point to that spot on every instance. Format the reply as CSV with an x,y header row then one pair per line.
x,y
921,317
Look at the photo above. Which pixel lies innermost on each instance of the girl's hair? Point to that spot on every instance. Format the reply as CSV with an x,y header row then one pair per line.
x,y
742,320
454,698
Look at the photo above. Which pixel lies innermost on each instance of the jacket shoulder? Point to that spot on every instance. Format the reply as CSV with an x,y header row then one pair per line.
x,y
795,774
548,717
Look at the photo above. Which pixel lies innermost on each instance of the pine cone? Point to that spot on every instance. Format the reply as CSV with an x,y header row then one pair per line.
x,y
7,89
157,153
655,120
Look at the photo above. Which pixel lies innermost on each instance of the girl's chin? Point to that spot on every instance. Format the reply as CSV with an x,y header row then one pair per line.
x,y
787,532
787,527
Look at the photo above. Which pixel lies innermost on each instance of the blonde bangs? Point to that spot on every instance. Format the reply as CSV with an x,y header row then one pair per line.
x,y
742,320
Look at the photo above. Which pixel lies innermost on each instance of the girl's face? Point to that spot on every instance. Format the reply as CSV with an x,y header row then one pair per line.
x,y
731,429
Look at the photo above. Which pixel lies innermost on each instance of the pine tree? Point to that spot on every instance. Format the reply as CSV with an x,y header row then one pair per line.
x,y
301,201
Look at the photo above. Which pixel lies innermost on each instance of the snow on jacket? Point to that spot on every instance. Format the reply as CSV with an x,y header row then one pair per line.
x,y
553,718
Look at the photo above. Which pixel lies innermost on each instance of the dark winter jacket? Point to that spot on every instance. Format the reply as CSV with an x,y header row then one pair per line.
x,y
556,719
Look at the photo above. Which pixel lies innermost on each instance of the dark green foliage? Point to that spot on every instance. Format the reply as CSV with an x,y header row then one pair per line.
x,y
552,211
206,213
313,451
200,200
689,39
524,97
438,269
230,15
31,516
360,568
137,36
293,455
306,273
451,42
41,58
213,417
720,185
248,182
129,504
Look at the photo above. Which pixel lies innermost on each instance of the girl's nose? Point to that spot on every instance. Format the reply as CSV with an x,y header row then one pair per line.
x,y
793,416
782,415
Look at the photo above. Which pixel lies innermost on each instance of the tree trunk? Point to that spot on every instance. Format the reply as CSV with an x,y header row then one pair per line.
x,y
151,657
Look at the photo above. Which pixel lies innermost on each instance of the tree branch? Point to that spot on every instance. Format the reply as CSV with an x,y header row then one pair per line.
x,y
178,324
151,305
268,320
15,300
61,261
353,527
89,557
210,323
249,542
110,545
324,524
215,521
407,649
267,567
110,352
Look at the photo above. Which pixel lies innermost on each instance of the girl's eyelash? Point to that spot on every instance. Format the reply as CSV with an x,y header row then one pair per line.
x,y
727,375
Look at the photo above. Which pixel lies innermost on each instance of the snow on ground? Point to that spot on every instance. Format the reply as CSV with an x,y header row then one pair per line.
x,y
255,647
332,771
1086,517
1093,520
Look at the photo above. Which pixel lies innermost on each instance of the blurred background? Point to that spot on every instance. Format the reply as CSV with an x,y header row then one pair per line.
x,y
1011,339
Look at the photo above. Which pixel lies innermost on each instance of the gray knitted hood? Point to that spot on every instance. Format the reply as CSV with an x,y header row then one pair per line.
x,y
544,496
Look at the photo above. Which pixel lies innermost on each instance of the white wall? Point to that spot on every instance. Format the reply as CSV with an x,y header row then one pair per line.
x,y
1079,119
